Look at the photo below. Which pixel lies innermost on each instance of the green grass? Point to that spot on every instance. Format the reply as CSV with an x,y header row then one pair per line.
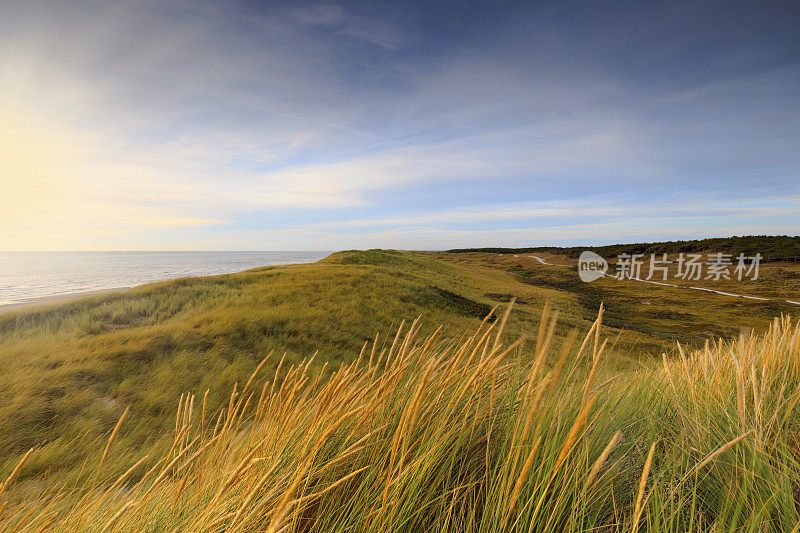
x,y
68,371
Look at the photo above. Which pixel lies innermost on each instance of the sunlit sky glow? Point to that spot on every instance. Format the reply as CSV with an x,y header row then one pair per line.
x,y
172,125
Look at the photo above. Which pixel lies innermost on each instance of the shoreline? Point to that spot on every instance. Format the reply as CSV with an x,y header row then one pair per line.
x,y
57,298
263,259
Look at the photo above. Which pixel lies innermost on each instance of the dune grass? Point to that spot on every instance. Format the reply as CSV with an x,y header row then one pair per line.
x,y
68,371
426,434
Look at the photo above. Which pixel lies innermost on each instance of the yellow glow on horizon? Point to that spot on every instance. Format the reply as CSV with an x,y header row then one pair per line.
x,y
39,177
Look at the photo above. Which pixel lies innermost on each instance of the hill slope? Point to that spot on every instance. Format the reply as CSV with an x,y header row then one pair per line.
x,y
68,371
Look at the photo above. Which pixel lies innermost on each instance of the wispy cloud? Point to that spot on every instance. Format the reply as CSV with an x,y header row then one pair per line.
x,y
191,124
335,18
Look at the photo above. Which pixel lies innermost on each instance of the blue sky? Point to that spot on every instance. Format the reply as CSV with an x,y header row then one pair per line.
x,y
329,125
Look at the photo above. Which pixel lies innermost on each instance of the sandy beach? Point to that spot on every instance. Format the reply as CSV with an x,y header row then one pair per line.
x,y
55,298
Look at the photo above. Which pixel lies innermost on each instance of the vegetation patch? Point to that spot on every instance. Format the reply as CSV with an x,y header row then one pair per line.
x,y
391,258
503,297
437,297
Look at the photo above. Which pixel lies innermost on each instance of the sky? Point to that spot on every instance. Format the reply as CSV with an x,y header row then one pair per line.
x,y
245,125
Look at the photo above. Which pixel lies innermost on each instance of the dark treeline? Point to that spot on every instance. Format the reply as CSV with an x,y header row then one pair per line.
x,y
771,248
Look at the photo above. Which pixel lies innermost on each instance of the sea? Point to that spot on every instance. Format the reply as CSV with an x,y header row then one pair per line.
x,y
26,276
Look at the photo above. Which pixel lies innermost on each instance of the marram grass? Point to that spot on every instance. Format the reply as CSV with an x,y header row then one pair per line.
x,y
431,436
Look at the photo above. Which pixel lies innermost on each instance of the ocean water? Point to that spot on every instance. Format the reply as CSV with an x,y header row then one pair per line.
x,y
26,275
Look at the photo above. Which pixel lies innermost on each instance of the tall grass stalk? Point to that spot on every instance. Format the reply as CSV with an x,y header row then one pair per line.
x,y
429,435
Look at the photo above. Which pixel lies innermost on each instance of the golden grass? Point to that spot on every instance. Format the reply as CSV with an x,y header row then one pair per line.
x,y
429,435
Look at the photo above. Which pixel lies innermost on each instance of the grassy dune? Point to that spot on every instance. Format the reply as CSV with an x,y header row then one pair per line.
x,y
431,435
68,371
468,427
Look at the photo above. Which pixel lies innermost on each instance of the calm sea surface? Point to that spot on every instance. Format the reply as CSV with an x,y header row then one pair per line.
x,y
25,275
